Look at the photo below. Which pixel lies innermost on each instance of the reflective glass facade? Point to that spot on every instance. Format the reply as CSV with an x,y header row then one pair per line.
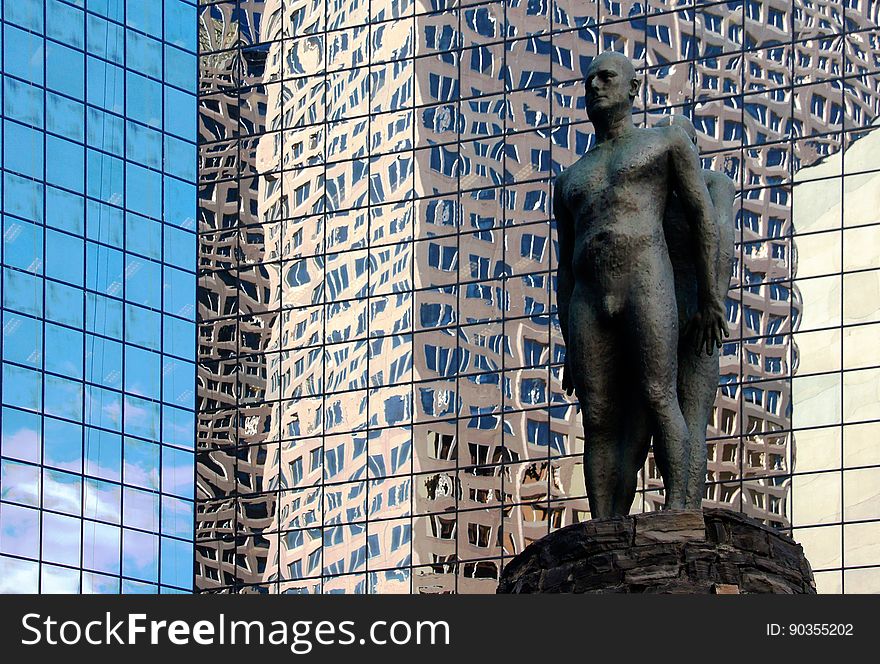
x,y
98,295
379,399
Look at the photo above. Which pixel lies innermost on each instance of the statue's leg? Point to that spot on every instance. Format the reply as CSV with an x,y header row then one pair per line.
x,y
697,384
632,450
654,330
591,355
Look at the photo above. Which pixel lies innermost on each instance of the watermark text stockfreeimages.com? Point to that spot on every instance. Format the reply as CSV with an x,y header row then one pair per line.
x,y
300,636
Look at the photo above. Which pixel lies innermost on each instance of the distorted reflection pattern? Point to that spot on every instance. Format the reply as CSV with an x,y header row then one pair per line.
x,y
379,400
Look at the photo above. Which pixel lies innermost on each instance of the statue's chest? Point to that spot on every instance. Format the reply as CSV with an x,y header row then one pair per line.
x,y
610,170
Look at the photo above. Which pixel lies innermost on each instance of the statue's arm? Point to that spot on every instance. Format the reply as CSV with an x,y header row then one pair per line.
x,y
689,184
564,275
722,192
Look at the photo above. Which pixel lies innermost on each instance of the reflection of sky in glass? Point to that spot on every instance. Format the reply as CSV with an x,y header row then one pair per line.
x,y
98,293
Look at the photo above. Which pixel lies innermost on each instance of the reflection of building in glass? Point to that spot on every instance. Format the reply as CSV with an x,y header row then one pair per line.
x,y
379,395
98,296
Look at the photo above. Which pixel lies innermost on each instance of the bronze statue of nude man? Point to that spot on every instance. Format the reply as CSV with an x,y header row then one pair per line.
x,y
616,290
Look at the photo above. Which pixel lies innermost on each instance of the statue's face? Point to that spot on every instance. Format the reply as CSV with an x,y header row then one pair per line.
x,y
610,86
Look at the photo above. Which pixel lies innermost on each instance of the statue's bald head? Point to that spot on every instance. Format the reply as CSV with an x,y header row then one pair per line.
x,y
618,61
682,123
611,85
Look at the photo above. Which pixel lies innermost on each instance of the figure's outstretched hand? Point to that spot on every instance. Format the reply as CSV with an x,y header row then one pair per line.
x,y
567,383
708,327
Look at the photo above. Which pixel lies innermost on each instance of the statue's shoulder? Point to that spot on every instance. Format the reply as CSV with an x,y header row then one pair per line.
x,y
719,183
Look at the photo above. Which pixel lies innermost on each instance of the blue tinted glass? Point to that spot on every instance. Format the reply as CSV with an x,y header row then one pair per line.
x,y
144,54
65,210
180,68
62,491
145,16
66,117
20,482
22,197
143,327
104,224
23,54
178,379
23,149
61,539
104,269
177,472
29,384
103,408
64,257
103,361
65,163
177,517
114,9
19,530
104,177
22,339
65,70
63,397
26,13
143,144
180,203
22,438
140,509
179,338
141,464
178,17
63,445
65,23
100,547
22,244
104,38
180,248
64,351
105,85
178,427
64,304
179,292
103,454
144,236
144,99
180,113
22,292
140,555
143,189
23,102
103,500
180,158
143,371
177,563
103,316
141,418
105,131
143,282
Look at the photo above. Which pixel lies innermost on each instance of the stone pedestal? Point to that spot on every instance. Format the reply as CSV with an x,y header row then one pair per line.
x,y
710,552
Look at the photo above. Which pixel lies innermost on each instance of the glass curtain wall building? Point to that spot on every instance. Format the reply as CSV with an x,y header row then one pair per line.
x,y
98,295
379,399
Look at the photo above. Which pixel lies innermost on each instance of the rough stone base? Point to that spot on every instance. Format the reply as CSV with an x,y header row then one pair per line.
x,y
714,551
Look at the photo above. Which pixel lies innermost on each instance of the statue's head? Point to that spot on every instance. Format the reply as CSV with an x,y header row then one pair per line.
x,y
682,123
611,84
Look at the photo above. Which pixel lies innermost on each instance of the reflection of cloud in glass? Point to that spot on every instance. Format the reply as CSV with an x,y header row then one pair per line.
x,y
23,443
18,576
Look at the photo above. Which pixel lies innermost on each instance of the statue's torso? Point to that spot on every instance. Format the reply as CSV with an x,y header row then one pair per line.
x,y
616,195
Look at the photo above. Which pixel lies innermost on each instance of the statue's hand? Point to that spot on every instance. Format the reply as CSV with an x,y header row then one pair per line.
x,y
708,327
567,384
